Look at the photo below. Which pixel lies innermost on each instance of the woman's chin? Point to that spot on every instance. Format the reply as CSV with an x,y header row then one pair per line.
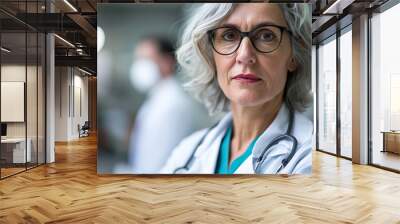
x,y
247,99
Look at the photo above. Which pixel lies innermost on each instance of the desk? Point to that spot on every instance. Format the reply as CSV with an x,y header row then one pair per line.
x,y
15,148
391,141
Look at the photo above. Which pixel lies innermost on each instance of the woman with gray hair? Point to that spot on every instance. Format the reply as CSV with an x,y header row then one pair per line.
x,y
253,61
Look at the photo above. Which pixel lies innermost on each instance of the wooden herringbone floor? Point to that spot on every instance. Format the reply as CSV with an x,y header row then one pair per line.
x,y
70,191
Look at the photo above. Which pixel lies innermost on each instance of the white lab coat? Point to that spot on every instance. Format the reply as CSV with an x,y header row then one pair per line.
x,y
167,116
206,155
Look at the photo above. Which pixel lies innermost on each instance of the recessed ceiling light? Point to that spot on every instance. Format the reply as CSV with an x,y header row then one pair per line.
x,y
337,7
64,40
70,5
84,71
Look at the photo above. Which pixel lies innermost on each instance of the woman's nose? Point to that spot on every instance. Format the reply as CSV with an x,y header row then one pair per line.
x,y
246,53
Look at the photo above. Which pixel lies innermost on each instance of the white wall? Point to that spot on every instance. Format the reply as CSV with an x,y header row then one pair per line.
x,y
81,84
70,83
61,103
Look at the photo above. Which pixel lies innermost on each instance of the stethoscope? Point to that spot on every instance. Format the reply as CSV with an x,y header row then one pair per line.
x,y
260,161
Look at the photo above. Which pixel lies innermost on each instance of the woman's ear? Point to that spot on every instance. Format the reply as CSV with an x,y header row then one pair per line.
x,y
292,66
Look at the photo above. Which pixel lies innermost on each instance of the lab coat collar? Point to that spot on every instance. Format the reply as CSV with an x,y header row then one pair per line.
x,y
208,151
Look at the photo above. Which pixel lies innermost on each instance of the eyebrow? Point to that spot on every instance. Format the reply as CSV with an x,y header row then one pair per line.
x,y
253,28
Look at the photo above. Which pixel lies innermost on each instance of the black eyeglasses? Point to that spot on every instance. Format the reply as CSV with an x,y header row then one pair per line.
x,y
265,39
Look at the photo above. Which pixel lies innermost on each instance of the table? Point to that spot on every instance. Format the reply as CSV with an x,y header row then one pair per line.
x,y
391,141
13,150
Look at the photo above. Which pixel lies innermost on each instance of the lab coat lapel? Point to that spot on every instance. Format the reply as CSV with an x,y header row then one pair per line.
x,y
246,167
207,154
208,160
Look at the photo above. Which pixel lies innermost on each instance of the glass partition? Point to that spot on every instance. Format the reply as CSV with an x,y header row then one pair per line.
x,y
14,152
327,96
22,67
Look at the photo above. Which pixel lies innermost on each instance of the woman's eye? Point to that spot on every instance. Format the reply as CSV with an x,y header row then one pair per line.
x,y
266,35
229,35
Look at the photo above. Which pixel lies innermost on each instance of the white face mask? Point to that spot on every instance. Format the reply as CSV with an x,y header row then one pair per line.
x,y
144,74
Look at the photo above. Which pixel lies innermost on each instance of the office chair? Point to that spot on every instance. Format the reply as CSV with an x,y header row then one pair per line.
x,y
84,130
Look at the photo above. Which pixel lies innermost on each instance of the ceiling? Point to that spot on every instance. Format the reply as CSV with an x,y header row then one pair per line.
x,y
76,25
76,20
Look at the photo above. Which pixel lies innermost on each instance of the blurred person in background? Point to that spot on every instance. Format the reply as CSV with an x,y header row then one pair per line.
x,y
168,114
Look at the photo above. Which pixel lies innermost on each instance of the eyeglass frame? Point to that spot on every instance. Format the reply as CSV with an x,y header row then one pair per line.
x,y
210,34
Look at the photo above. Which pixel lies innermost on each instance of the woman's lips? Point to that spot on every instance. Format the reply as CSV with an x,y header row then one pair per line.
x,y
247,78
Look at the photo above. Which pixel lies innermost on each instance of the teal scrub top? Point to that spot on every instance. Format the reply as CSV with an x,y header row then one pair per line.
x,y
223,166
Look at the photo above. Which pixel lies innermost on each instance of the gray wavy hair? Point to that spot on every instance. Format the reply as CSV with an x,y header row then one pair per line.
x,y
196,60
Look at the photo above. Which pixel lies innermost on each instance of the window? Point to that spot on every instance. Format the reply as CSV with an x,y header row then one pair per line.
x,y
327,96
346,93
385,88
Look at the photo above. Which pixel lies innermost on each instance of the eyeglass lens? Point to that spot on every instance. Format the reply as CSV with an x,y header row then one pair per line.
x,y
265,39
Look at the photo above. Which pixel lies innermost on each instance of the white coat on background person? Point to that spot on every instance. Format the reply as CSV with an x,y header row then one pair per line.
x,y
167,115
